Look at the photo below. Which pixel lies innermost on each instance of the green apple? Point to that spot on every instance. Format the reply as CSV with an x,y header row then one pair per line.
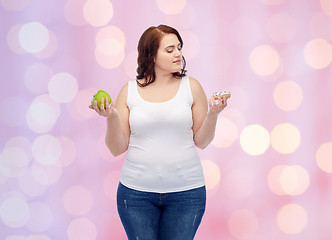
x,y
98,96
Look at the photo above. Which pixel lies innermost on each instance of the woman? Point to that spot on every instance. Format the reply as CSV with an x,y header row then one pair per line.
x,y
159,119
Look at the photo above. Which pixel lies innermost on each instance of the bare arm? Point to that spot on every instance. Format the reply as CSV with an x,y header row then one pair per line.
x,y
204,117
117,119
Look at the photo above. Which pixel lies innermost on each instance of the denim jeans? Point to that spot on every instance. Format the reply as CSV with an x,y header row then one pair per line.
x,y
161,216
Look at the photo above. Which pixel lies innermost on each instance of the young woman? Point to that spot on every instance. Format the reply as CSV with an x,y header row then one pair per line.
x,y
159,119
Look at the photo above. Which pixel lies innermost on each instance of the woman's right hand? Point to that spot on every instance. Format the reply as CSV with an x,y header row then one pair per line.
x,y
107,111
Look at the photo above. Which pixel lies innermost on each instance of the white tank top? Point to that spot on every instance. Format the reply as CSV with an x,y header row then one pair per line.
x,y
161,155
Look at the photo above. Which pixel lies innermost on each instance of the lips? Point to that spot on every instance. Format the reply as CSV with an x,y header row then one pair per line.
x,y
177,61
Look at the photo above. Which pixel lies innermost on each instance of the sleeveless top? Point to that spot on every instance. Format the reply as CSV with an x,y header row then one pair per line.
x,y
161,155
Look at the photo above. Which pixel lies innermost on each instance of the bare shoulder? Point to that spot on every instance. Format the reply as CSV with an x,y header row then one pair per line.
x,y
196,89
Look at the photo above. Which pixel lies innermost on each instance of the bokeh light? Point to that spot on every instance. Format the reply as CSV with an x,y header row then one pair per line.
x,y
292,219
98,12
264,60
285,138
288,95
42,114
46,149
33,37
324,157
254,139
14,212
63,87
110,44
318,53
41,217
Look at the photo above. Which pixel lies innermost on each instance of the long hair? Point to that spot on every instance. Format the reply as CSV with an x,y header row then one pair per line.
x,y
147,50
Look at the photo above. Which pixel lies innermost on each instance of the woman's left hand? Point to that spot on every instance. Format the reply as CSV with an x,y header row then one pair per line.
x,y
216,106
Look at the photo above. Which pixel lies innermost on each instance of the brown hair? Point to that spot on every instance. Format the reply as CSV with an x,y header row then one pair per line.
x,y
147,49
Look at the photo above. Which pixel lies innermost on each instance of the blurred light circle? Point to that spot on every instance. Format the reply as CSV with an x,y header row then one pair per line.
x,y
272,2
22,143
29,185
254,139
110,47
41,217
288,95
98,12
326,6
191,44
14,5
42,114
36,77
14,212
77,200
111,183
16,156
33,37
46,174
74,12
63,87
243,224
318,53
264,60
110,32
237,184
226,133
82,229
12,39
211,174
46,149
11,117
292,219
281,27
13,162
273,179
171,6
294,180
285,138
324,157
110,44
50,49
109,61
68,151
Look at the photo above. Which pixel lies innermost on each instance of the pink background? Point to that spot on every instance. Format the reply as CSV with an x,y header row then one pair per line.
x,y
268,171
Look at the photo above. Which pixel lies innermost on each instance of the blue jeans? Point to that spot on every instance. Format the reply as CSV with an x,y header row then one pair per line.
x,y
161,216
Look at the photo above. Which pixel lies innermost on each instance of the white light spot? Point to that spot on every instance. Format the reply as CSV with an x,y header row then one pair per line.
x,y
63,87
254,139
33,37
14,212
82,229
46,149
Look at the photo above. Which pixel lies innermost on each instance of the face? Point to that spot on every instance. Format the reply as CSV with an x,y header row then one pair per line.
x,y
169,55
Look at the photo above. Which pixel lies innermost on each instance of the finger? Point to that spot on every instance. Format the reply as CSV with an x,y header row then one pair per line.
x,y
102,104
106,102
95,105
